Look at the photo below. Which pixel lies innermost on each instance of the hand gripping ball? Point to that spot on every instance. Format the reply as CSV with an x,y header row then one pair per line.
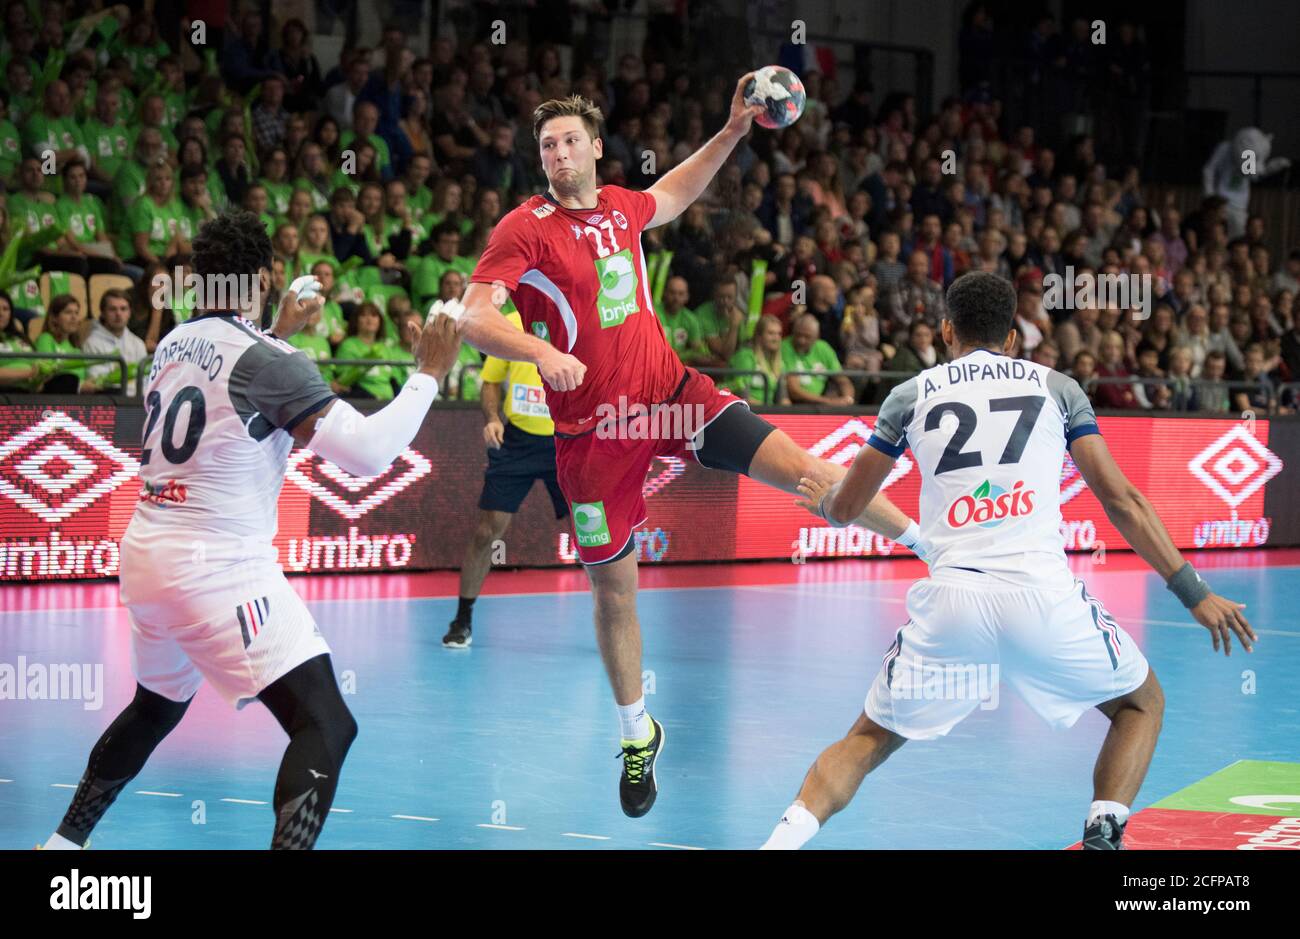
x,y
780,92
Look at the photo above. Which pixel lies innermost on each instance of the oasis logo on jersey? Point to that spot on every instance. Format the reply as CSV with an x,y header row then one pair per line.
x,y
989,505
618,282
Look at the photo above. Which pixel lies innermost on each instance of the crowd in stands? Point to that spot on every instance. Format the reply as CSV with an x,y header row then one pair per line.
x,y
814,266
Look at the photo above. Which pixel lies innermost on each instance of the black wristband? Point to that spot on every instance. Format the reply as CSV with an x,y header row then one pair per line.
x,y
1188,586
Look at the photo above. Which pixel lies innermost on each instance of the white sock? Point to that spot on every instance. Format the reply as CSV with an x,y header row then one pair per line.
x,y
633,721
796,827
1102,807
59,843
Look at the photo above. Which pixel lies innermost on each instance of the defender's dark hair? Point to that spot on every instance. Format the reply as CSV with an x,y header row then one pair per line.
x,y
232,243
981,307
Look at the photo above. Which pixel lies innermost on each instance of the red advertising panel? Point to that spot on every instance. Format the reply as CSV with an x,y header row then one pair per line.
x,y
68,485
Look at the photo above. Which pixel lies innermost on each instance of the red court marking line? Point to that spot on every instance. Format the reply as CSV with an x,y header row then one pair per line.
x,y
442,584
1186,830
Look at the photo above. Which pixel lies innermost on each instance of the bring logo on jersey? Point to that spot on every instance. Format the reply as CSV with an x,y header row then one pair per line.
x,y
989,505
618,284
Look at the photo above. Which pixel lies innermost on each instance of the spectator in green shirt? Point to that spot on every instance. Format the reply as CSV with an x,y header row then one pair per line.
x,y
806,351
196,201
142,47
316,241
333,323
722,320
257,201
427,272
62,333
284,243
418,195
18,82
762,354
365,342
153,113
153,222
11,145
365,120
15,374
54,129
129,183
680,325
176,99
314,342
85,240
31,208
106,136
275,179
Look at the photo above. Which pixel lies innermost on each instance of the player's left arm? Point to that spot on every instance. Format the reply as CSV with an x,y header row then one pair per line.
x,y
1131,513
684,183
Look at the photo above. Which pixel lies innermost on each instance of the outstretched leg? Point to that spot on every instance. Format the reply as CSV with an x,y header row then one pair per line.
x,y
116,759
781,463
1135,720
833,780
309,707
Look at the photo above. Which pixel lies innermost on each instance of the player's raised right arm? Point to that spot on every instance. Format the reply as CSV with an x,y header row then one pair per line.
x,y
484,328
1131,513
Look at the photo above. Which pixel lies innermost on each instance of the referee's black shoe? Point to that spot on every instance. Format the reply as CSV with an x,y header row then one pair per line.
x,y
459,634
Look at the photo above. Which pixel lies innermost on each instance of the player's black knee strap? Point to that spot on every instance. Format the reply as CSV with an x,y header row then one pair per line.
x,y
732,439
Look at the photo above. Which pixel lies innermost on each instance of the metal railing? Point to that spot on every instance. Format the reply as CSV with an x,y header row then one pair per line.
x,y
1281,394
78,357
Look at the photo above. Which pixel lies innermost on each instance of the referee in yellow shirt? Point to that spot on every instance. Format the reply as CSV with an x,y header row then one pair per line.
x,y
520,452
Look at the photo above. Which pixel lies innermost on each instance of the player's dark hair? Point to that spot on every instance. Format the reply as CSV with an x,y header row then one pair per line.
x,y
981,307
572,106
232,243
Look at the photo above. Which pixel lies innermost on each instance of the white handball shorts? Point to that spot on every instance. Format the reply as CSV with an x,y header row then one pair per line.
x,y
1058,648
242,627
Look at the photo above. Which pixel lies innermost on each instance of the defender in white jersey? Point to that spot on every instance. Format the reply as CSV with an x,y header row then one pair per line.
x,y
225,404
989,435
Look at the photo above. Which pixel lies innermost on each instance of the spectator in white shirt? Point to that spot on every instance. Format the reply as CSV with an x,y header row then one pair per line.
x,y
109,336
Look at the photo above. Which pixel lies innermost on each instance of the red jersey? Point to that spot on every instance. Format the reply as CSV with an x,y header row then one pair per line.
x,y
578,278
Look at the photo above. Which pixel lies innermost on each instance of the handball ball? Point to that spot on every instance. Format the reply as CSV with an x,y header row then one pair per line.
x,y
780,92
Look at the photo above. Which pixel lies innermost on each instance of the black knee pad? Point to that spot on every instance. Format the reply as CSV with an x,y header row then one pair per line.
x,y
732,439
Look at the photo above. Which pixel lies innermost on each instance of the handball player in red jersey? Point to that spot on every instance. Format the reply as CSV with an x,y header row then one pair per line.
x,y
571,259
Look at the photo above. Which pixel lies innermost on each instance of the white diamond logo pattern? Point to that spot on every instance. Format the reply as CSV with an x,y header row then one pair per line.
x,y
417,467
1236,472
82,467
842,453
33,467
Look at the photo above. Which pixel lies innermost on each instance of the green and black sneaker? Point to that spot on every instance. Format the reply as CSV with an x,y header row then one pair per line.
x,y
459,634
1105,834
637,788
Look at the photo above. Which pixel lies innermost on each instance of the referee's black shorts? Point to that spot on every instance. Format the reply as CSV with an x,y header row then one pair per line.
x,y
512,469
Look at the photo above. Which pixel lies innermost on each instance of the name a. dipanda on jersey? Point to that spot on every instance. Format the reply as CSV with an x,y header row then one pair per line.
x,y
202,352
75,892
959,372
